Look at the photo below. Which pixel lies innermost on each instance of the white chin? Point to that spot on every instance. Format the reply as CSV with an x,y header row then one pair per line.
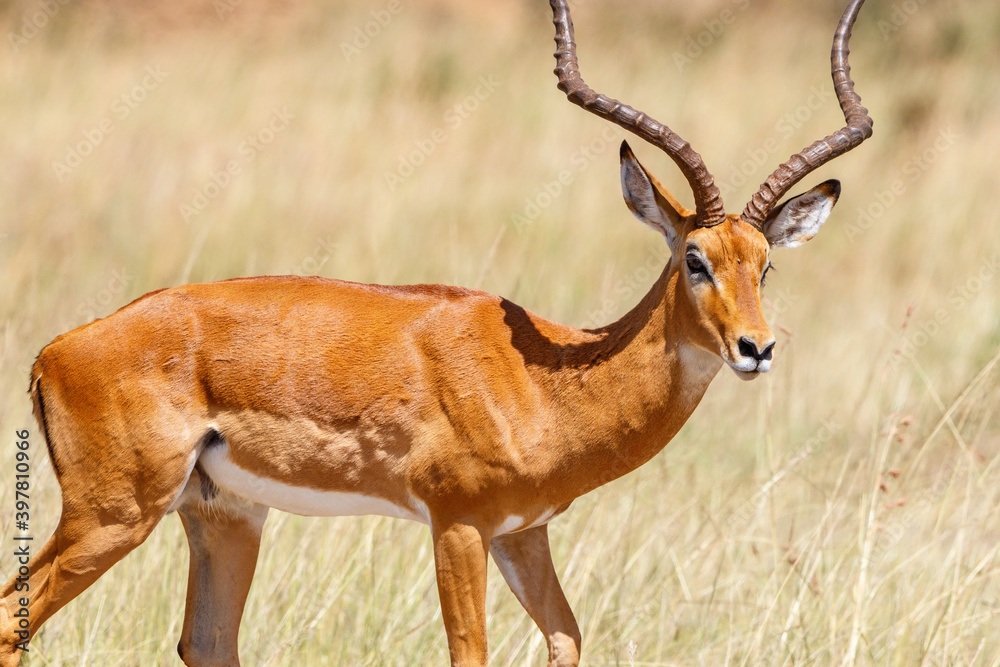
x,y
748,369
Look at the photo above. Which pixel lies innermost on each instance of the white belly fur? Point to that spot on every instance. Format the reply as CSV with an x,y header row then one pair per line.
x,y
300,500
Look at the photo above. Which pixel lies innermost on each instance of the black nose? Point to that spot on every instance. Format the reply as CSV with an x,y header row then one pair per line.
x,y
748,348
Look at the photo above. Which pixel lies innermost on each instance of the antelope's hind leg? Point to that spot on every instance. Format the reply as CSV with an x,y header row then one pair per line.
x,y
104,517
118,476
224,538
77,554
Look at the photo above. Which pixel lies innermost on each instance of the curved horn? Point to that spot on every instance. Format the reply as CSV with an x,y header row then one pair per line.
x,y
706,194
858,128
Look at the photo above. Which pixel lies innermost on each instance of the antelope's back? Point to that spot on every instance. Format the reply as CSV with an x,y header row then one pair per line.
x,y
330,351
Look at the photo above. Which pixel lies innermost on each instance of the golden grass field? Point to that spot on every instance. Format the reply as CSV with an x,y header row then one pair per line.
x,y
841,510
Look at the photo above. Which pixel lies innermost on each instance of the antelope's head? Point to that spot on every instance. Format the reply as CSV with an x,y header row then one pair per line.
x,y
721,259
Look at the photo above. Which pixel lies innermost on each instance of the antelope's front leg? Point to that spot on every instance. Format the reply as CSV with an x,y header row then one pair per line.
x,y
525,561
460,559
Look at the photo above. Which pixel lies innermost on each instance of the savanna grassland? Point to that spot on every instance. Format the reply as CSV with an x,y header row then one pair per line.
x,y
841,510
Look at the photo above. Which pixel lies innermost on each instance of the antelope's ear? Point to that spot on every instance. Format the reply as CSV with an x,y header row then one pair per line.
x,y
798,219
648,199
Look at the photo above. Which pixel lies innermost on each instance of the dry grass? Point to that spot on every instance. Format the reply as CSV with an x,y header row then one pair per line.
x,y
842,510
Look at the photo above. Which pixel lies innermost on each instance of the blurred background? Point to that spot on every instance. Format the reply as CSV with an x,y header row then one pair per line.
x,y
843,509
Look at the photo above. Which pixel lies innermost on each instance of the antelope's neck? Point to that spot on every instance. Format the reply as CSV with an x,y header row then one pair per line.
x,y
621,396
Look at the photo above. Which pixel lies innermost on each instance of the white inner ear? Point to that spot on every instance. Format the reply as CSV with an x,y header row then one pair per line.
x,y
641,200
799,219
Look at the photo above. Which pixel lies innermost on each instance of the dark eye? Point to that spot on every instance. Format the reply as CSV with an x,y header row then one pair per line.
x,y
763,276
695,266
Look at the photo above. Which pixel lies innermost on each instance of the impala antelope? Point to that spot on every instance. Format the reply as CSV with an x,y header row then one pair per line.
x,y
442,405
